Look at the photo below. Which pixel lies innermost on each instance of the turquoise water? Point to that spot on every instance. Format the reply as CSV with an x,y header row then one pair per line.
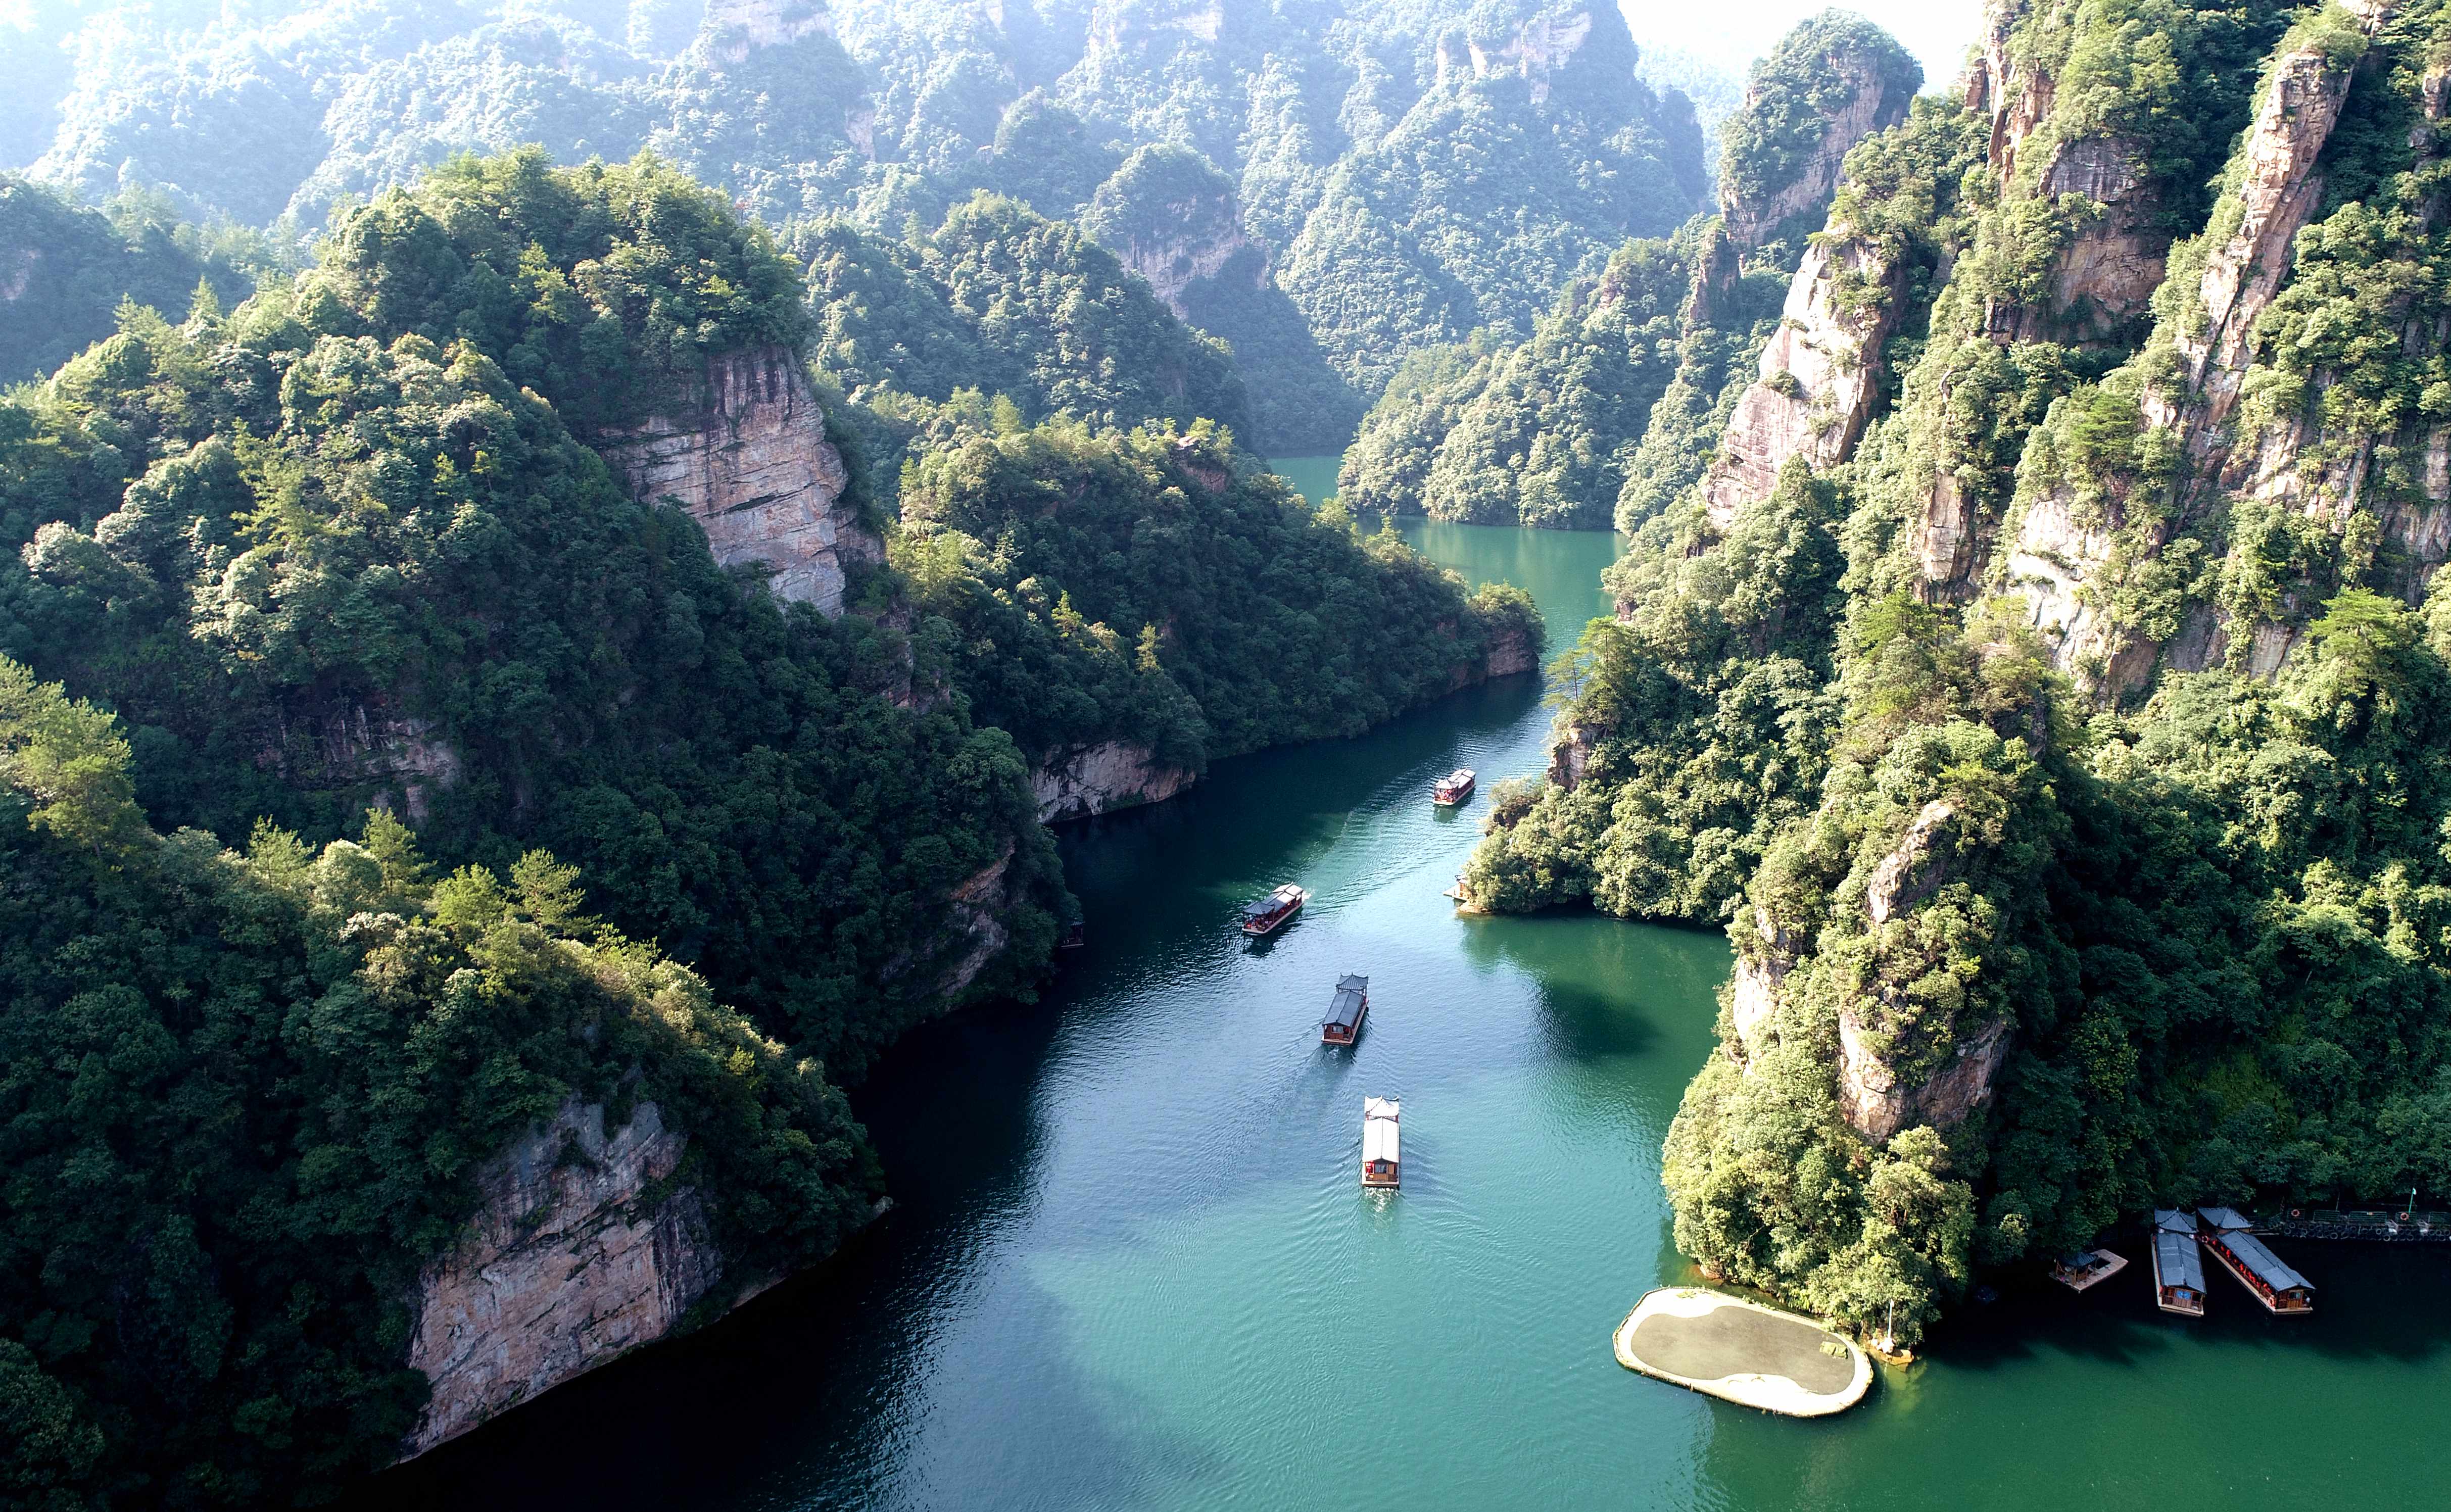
x,y
1132,1268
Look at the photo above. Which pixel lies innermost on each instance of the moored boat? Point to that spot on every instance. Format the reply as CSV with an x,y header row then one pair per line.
x,y
1345,1011
1453,788
2228,1233
2178,1264
1076,934
1270,913
1381,1162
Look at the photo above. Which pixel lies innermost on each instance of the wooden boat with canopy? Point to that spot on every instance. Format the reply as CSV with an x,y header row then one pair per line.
x,y
1270,913
1345,1011
2178,1263
1381,1162
2227,1235
1454,788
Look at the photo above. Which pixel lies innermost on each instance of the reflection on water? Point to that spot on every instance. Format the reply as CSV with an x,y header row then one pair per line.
x,y
1132,1266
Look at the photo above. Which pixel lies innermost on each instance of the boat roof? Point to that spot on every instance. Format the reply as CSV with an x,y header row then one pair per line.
x,y
2177,1261
1273,902
2224,1219
2265,1265
2174,1220
1461,774
1379,1126
1344,1009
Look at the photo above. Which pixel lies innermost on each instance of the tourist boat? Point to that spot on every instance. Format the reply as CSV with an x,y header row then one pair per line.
x,y
1453,788
1345,1011
1270,913
2228,1233
2178,1264
1076,934
2089,1267
1380,1163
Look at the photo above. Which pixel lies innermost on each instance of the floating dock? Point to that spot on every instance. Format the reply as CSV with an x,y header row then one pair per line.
x,y
1742,1353
2227,1237
2178,1263
2373,1224
2091,1268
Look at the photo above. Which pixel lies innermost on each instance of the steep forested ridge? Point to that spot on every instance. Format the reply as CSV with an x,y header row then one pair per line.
x,y
351,575
1372,175
246,1095
1145,588
1608,409
64,269
2063,761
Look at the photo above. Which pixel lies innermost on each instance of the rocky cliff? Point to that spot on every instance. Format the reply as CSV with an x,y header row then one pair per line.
x,y
1819,375
580,1250
1102,779
1865,92
748,460
2072,537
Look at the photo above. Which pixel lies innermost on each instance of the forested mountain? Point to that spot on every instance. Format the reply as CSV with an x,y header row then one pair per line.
x,y
1599,412
506,588
65,268
1324,187
2040,677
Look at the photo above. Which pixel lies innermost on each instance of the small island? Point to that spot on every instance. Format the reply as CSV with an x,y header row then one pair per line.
x,y
1743,1353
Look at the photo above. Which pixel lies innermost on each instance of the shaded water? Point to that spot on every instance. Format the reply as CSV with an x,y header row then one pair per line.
x,y
1132,1266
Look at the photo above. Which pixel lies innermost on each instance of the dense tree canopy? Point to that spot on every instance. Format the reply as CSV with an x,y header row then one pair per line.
x,y
289,1063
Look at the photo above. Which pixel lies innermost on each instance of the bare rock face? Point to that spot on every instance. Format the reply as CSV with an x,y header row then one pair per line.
x,y
1820,374
752,466
1570,755
2103,279
1102,779
2279,190
1534,51
1510,654
734,29
404,759
1910,872
2015,98
1762,964
573,1258
1871,107
1188,239
1877,1105
975,912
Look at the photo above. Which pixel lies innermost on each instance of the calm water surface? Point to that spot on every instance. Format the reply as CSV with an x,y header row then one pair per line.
x,y
1131,1267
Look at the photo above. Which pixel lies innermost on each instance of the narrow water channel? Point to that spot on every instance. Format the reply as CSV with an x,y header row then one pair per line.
x,y
1131,1267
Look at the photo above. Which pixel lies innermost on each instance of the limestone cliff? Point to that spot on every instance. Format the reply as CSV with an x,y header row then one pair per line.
x,y
2066,545
1819,376
2248,249
580,1250
396,759
2114,237
1102,779
748,458
1871,96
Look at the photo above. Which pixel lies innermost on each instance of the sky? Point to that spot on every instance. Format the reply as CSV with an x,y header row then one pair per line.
x,y
1732,33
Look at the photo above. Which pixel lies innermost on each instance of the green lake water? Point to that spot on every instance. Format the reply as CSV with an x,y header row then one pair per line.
x,y
1132,1266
